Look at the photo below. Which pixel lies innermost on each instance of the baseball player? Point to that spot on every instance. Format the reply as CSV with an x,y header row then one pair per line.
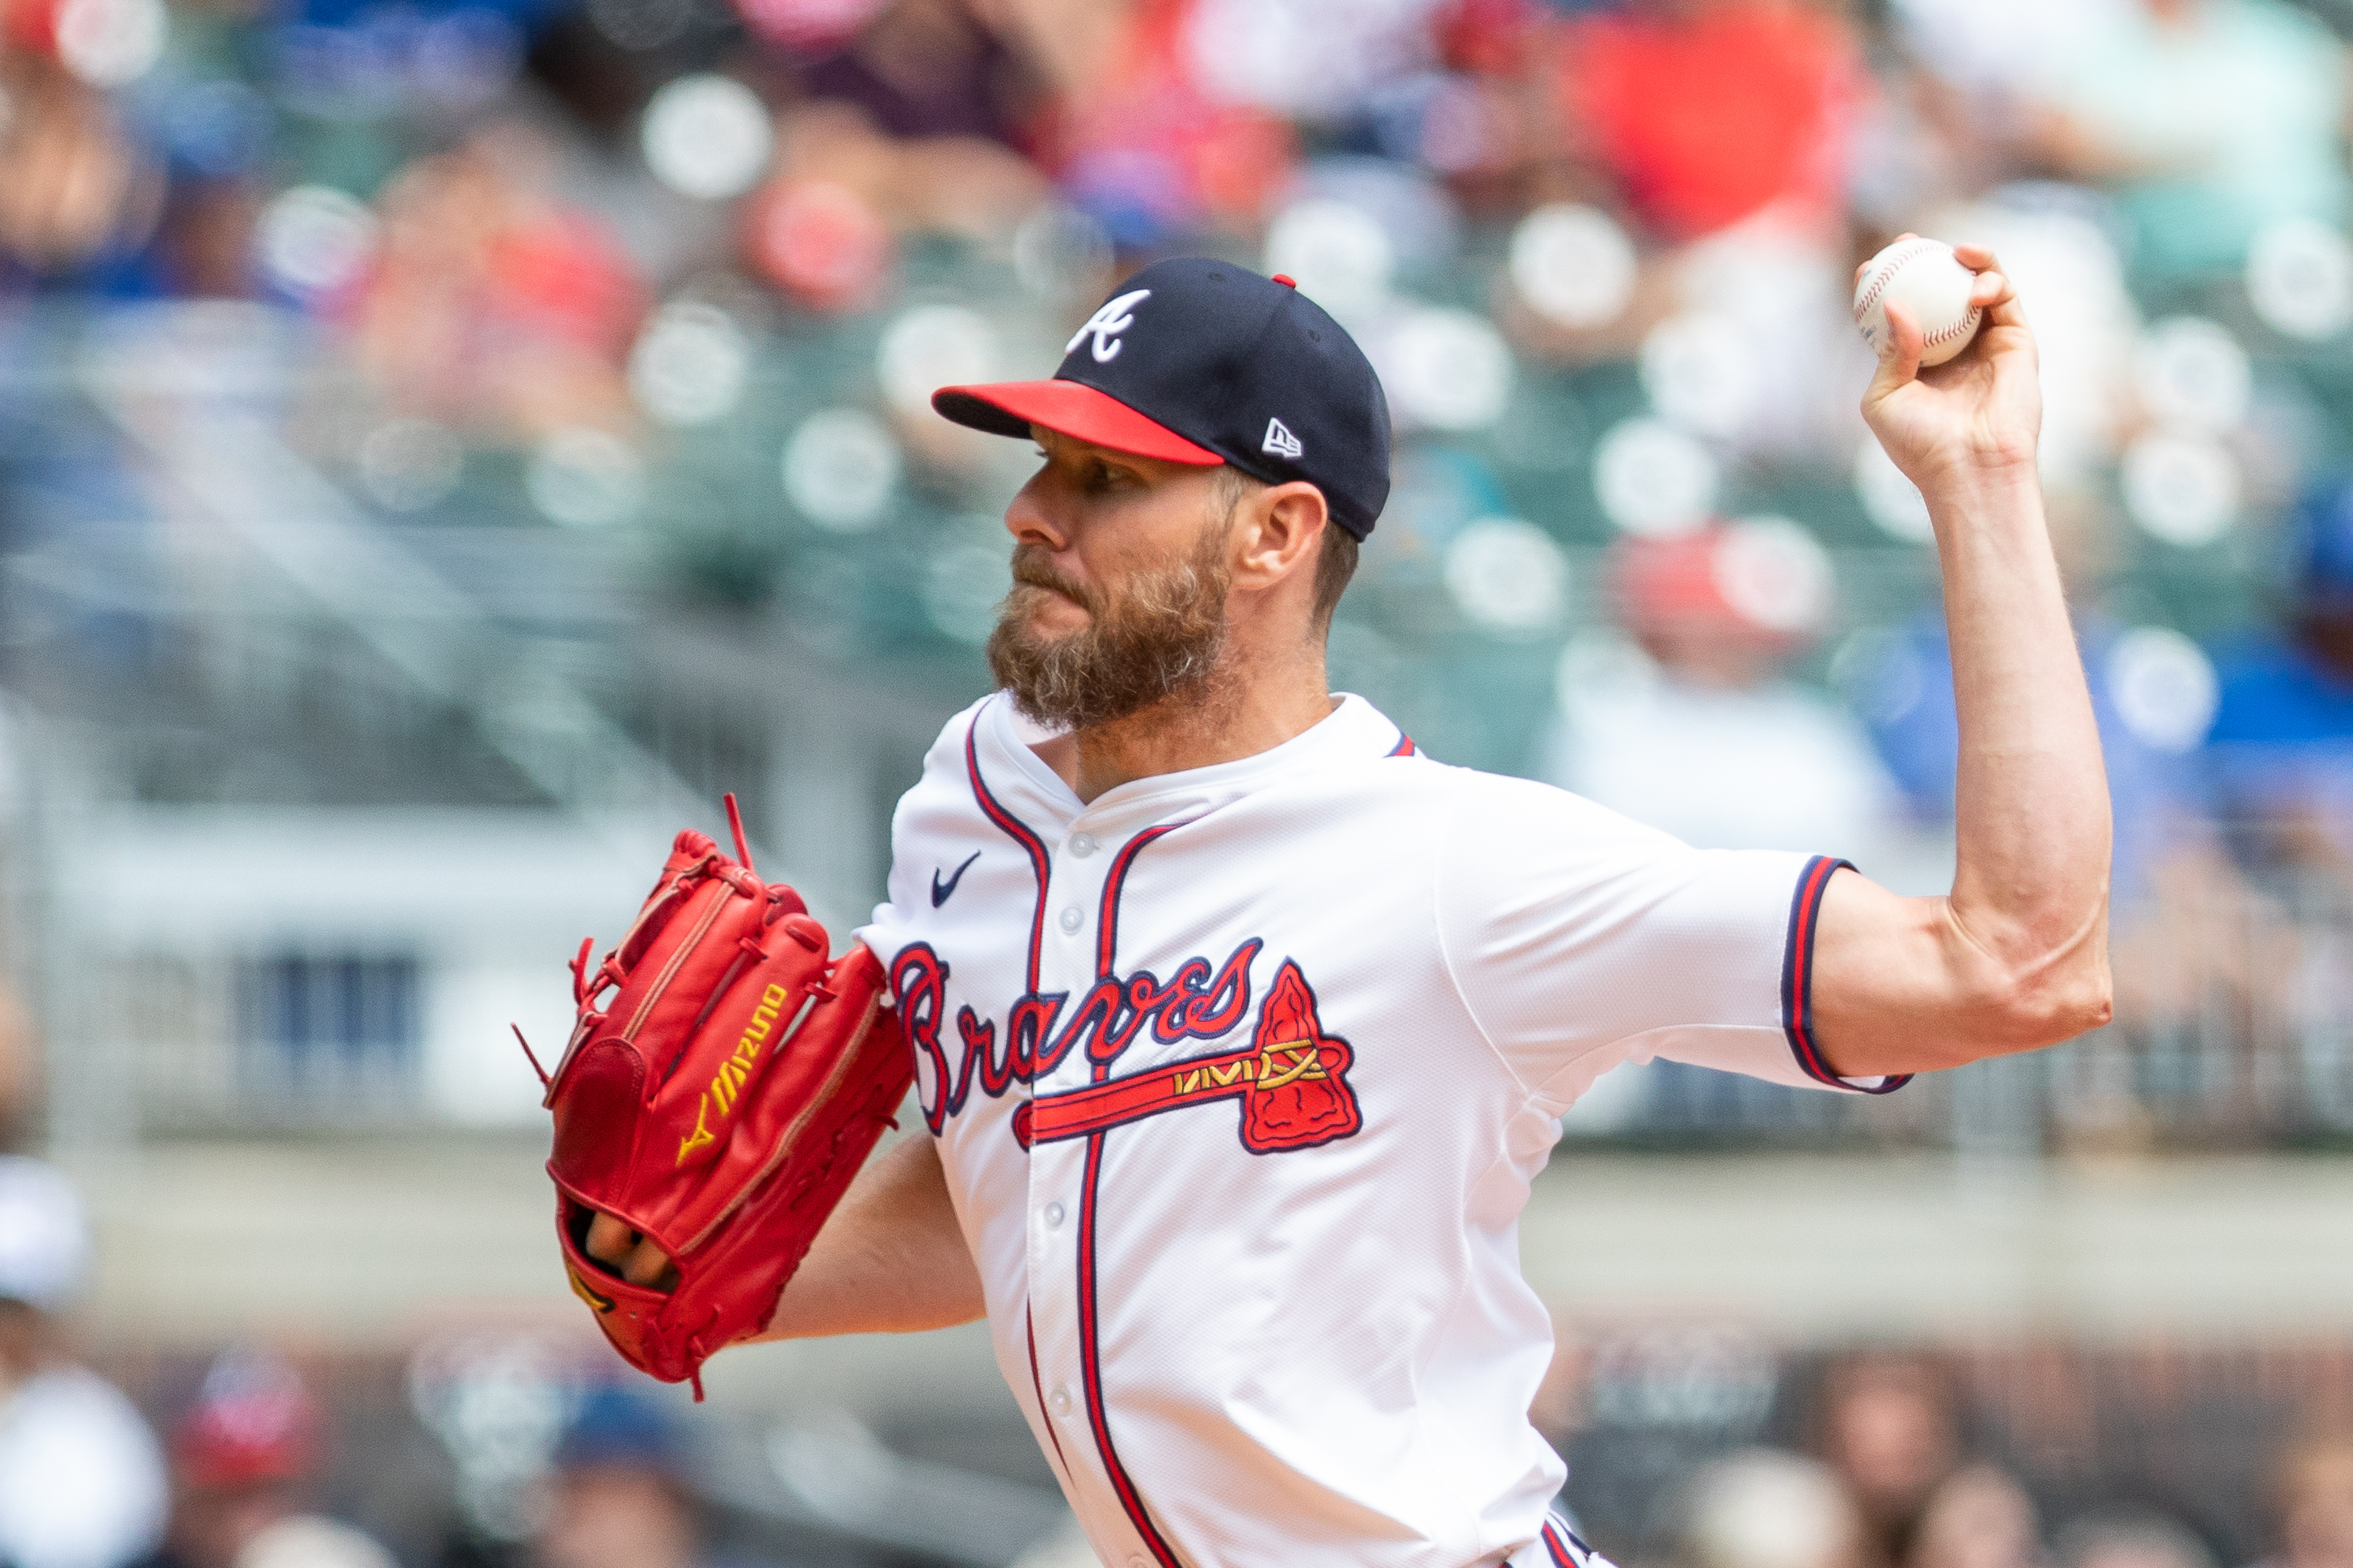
x,y
1240,1027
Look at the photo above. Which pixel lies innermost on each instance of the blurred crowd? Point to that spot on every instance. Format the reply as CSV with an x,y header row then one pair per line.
x,y
1877,1457
1882,1458
1607,239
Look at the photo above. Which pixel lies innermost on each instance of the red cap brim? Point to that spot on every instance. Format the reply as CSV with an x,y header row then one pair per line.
x,y
1072,408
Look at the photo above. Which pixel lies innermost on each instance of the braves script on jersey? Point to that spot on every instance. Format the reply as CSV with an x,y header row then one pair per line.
x,y
1240,1076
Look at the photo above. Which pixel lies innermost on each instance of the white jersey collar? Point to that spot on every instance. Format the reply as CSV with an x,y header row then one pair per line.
x,y
1355,731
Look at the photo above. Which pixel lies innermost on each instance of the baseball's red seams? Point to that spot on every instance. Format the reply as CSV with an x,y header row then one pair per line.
x,y
1881,274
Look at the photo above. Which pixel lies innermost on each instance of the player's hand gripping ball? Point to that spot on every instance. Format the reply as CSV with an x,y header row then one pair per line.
x,y
1929,282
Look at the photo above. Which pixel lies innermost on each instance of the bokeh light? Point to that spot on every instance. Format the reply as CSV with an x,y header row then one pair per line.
x,y
690,364
840,470
586,477
932,346
1653,480
316,240
111,42
707,136
2164,688
2300,278
1339,254
2183,487
1573,265
1444,369
2193,374
1701,373
1507,576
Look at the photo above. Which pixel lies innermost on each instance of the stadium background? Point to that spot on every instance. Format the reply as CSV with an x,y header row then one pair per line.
x,y
443,446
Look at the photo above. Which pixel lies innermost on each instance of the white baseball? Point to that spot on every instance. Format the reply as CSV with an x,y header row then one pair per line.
x,y
1928,281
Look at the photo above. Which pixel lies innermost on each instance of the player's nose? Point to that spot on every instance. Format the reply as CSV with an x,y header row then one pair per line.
x,y
1030,516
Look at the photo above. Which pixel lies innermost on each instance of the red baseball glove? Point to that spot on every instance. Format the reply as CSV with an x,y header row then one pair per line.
x,y
719,1103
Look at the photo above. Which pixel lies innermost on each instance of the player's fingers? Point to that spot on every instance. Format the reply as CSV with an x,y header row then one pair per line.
x,y
648,1264
1906,343
1976,257
610,1239
1990,290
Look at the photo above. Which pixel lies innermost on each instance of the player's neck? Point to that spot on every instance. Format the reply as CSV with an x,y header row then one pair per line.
x,y
1238,716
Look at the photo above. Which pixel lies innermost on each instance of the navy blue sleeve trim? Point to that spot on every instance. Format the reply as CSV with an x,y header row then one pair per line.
x,y
1798,980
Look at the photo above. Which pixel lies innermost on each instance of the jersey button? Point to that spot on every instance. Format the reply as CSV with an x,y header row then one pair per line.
x,y
1061,1401
1082,845
1074,917
1053,1217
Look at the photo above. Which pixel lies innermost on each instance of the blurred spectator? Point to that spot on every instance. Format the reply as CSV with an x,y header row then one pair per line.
x,y
938,69
78,195
2282,742
1150,150
1764,1509
2209,119
1700,733
619,1497
1978,1517
2312,1502
491,306
242,1459
81,1485
1704,112
1722,130
1889,1423
2130,1539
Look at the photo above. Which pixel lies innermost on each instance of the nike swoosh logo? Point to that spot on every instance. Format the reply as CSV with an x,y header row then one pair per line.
x,y
940,894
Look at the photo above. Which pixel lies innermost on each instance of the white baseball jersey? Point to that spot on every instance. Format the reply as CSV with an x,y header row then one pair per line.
x,y
1240,1076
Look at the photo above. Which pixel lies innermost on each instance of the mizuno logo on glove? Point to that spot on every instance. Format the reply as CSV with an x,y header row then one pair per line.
x,y
728,1081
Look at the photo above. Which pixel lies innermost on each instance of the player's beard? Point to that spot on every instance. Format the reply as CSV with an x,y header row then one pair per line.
x,y
1159,639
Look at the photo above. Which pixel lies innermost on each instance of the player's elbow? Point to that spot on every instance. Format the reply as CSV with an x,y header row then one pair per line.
x,y
2029,1008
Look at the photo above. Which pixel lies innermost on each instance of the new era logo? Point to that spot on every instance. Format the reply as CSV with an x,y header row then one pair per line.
x,y
1281,442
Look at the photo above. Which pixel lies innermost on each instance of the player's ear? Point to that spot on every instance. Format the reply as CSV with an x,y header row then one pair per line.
x,y
1279,530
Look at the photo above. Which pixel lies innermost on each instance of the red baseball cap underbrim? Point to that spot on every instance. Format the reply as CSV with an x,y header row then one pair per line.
x,y
1072,408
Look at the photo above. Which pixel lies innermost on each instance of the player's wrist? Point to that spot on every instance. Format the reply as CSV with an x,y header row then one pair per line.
x,y
1989,480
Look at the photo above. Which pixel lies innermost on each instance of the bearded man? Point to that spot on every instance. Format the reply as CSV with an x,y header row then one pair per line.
x,y
1241,1027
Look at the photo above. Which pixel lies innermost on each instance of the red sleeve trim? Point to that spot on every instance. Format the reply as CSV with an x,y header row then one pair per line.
x,y
1797,981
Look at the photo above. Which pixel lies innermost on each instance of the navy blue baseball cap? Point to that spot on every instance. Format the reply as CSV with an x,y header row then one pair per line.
x,y
1201,362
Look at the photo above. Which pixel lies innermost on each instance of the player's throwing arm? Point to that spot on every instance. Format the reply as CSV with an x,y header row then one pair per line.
x,y
2016,957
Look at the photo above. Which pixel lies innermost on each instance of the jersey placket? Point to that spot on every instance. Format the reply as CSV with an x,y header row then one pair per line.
x,y
1066,1228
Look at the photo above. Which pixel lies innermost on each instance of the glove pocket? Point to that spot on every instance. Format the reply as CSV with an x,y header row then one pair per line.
x,y
631,1316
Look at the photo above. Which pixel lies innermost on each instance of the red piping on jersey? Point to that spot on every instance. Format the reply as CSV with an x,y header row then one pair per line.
x,y
1404,746
1037,1386
1107,928
1020,834
1090,1357
1798,979
1091,1366
1558,1546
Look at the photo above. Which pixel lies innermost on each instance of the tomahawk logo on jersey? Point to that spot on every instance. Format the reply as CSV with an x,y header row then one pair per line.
x,y
1240,1076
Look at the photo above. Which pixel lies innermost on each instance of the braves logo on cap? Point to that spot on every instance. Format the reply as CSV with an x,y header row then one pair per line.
x,y
1106,325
